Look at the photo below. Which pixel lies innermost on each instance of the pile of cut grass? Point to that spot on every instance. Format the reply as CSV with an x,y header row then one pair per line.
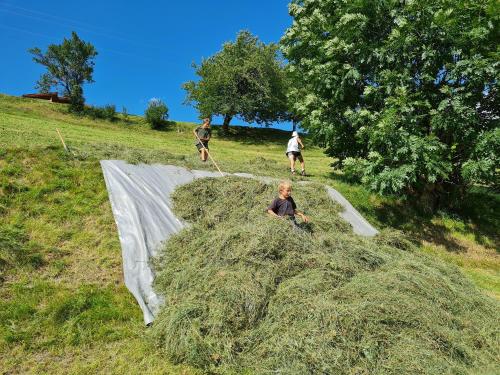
x,y
246,292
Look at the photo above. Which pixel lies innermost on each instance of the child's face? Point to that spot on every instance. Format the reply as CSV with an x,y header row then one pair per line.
x,y
286,192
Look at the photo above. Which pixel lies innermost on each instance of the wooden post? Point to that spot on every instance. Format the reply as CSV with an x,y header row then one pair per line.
x,y
62,140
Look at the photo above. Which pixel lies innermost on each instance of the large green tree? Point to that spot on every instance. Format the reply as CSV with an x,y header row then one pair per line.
x,y
403,93
246,79
69,65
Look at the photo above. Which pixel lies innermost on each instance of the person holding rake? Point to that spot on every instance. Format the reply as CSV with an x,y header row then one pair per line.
x,y
203,134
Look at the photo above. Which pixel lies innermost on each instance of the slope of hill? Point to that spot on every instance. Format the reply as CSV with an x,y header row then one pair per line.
x,y
63,306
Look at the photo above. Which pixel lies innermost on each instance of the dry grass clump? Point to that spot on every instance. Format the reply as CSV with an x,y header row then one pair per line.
x,y
246,292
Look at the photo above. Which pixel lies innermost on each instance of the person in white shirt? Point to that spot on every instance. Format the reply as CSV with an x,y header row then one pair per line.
x,y
293,153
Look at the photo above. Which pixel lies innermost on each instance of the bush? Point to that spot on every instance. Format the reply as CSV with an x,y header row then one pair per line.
x,y
125,114
249,293
108,112
156,113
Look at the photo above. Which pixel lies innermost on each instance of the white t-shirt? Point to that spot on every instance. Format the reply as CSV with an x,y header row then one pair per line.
x,y
293,145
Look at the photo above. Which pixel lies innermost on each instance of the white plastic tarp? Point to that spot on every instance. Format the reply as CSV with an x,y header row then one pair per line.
x,y
140,200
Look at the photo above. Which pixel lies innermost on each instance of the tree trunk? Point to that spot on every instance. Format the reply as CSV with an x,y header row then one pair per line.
x,y
227,120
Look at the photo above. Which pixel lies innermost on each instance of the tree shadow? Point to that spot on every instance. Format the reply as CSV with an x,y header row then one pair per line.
x,y
168,126
251,135
478,216
423,226
481,208
419,225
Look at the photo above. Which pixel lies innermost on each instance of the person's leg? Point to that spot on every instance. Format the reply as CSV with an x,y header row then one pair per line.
x,y
292,162
302,165
200,151
204,154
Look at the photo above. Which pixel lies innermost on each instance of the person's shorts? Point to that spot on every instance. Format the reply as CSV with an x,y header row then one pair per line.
x,y
296,154
199,145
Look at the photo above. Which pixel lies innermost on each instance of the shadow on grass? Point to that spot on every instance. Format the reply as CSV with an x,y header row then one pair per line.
x,y
169,126
478,217
252,136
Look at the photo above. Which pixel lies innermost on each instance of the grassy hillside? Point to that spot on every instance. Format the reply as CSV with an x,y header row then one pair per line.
x,y
63,305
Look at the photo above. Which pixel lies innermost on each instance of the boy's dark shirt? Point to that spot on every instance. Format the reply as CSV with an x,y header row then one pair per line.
x,y
283,207
203,133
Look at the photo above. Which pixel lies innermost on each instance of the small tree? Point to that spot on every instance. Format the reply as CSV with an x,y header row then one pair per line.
x,y
125,113
245,79
69,65
156,113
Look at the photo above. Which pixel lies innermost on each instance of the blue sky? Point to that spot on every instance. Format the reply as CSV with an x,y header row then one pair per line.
x,y
145,48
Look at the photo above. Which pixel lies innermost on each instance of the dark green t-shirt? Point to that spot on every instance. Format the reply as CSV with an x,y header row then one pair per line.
x,y
203,132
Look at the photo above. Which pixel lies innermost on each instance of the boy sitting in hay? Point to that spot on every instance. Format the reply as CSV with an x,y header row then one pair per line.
x,y
284,205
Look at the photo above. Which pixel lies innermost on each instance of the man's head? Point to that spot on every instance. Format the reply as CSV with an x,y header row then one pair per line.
x,y
295,134
285,189
206,122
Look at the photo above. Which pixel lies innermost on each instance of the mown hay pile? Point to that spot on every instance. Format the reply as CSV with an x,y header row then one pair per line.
x,y
248,293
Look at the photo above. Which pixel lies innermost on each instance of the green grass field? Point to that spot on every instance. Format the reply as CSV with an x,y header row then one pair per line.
x,y
63,305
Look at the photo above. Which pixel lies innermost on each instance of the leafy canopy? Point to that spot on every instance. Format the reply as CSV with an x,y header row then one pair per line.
x,y
245,79
69,65
403,93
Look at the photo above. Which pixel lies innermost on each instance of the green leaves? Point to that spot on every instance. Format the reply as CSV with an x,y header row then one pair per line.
x,y
401,93
483,165
245,79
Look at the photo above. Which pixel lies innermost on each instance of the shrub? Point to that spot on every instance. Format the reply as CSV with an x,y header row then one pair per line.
x,y
156,113
107,112
247,293
124,113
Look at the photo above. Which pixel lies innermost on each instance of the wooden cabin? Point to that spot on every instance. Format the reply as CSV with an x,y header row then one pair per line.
x,y
51,96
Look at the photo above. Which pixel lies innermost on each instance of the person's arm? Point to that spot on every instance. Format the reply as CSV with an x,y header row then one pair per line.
x,y
300,142
302,216
272,213
209,135
271,208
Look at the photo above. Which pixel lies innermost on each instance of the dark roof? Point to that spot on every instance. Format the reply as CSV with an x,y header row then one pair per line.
x,y
52,96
